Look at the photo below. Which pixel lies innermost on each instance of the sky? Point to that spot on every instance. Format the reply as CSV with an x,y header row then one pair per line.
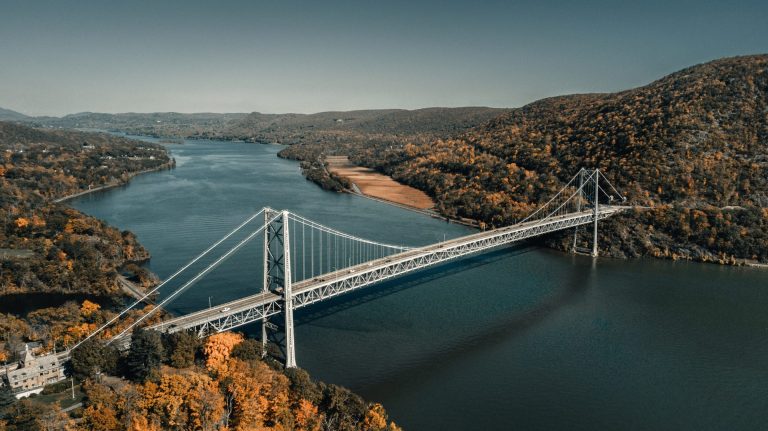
x,y
274,56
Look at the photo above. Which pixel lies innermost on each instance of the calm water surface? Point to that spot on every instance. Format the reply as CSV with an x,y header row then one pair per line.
x,y
521,338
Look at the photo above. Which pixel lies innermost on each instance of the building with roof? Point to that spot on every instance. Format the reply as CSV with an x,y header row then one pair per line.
x,y
34,372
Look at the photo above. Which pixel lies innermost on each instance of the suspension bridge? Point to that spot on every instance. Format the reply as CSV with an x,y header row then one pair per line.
x,y
305,262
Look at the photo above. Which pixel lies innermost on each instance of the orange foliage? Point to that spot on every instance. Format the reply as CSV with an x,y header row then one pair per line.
x,y
184,399
141,423
79,331
307,417
37,221
375,418
217,349
260,395
21,222
100,418
88,308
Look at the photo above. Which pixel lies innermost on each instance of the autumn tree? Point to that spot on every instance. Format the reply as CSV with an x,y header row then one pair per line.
x,y
218,348
184,400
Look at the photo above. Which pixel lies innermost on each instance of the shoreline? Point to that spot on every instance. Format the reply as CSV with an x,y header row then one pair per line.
x,y
426,212
63,199
370,184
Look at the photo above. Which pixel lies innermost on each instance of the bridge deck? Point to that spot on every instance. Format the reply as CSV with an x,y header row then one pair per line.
x,y
259,306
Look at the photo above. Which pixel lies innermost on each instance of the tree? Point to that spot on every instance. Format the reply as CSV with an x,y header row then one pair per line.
x,y
145,355
248,350
6,397
25,415
217,349
302,386
181,348
93,357
307,417
184,400
342,408
375,418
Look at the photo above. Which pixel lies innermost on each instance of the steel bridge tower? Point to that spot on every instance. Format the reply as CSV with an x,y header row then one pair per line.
x,y
589,183
277,276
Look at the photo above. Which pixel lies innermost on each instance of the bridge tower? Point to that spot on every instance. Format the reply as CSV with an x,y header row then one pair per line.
x,y
589,181
277,276
597,203
580,198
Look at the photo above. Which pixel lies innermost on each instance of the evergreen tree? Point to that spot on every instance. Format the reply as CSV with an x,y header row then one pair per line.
x,y
181,348
145,354
6,398
248,350
93,357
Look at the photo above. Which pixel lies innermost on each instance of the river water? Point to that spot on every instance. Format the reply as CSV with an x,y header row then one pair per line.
x,y
520,338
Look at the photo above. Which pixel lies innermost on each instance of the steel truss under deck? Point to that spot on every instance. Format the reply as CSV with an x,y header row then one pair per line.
x,y
262,306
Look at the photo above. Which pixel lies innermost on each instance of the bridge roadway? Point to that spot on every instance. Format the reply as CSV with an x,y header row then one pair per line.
x,y
263,305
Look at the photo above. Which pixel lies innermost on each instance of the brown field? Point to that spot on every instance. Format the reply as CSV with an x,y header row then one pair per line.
x,y
374,184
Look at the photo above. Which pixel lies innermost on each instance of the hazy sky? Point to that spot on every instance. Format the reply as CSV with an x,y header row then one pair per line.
x,y
62,57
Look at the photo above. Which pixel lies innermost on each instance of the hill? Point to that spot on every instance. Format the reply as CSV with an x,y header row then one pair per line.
x,y
8,115
54,257
313,137
157,124
692,145
347,125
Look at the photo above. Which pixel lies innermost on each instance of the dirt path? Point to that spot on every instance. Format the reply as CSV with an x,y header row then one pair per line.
x,y
376,185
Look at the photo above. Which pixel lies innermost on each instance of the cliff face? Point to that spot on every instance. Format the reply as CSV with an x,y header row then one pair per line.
x,y
692,145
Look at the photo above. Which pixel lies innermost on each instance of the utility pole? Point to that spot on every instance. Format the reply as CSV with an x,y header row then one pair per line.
x,y
72,385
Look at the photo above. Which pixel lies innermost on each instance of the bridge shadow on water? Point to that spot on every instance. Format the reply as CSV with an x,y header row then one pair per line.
x,y
431,362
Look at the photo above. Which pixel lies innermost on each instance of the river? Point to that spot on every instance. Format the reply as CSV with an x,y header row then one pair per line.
x,y
519,338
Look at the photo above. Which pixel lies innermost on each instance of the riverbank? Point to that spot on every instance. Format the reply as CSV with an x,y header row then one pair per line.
x,y
372,183
369,184
169,165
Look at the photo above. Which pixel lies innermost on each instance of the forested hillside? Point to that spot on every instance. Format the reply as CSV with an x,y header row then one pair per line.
x,y
693,145
53,257
312,137
157,124
179,382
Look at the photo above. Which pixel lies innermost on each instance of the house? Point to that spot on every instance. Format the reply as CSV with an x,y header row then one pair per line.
x,y
34,372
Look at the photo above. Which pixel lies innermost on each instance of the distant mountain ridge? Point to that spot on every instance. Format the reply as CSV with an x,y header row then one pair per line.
x,y
288,128
8,115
